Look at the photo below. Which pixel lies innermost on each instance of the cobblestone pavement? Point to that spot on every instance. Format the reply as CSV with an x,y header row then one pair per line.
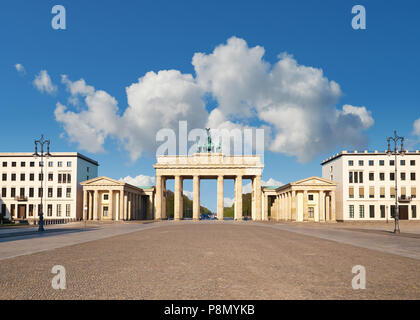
x,y
211,261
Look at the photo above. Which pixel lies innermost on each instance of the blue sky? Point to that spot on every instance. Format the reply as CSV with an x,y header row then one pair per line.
x,y
112,44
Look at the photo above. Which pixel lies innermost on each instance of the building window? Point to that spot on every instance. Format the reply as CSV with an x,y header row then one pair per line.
x,y
382,192
60,179
403,176
23,164
40,192
361,211
50,164
371,176
361,192
382,211
413,192
32,164
50,192
392,192
49,210
31,177
50,177
413,211
31,210
371,163
381,162
68,163
106,197
13,192
413,176
350,177
392,163
13,176
4,164
22,177
41,177
59,192
31,192
87,169
361,163
67,210
351,211
68,192
106,211
392,176
372,212
351,192
310,197
351,163
60,164
13,164
371,192
22,192
356,177
58,210
68,178
41,163
412,162
402,162
3,192
361,177
4,177
382,176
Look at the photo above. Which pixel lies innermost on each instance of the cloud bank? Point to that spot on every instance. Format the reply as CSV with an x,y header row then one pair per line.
x,y
297,105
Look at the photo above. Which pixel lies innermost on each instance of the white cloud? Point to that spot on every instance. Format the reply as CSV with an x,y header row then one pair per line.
x,y
187,193
296,104
247,188
20,68
140,180
228,202
416,127
43,82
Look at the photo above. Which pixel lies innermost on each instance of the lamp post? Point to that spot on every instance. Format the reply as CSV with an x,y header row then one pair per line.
x,y
41,143
396,139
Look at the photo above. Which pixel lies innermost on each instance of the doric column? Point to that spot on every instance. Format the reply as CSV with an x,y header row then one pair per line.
x,y
85,205
90,210
150,212
95,205
289,206
220,197
258,199
305,205
111,210
125,206
117,206
321,206
158,198
238,200
333,213
164,198
327,208
278,206
178,199
265,206
253,201
294,207
130,206
196,197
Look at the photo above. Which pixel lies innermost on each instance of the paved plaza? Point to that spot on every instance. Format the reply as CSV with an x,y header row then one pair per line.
x,y
211,260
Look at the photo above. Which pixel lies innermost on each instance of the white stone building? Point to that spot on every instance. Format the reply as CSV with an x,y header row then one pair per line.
x,y
366,185
22,185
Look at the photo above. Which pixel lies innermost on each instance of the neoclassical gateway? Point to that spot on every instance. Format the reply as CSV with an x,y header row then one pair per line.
x,y
311,199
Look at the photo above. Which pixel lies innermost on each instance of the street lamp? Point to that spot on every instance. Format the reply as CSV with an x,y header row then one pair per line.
x,y
396,139
41,142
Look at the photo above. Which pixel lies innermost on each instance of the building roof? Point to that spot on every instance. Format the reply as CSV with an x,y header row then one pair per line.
x,y
363,153
53,155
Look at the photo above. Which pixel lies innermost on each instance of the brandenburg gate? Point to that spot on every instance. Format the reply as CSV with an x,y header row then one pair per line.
x,y
208,164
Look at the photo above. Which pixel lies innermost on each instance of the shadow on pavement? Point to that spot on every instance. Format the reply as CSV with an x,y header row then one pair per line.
x,y
15,236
